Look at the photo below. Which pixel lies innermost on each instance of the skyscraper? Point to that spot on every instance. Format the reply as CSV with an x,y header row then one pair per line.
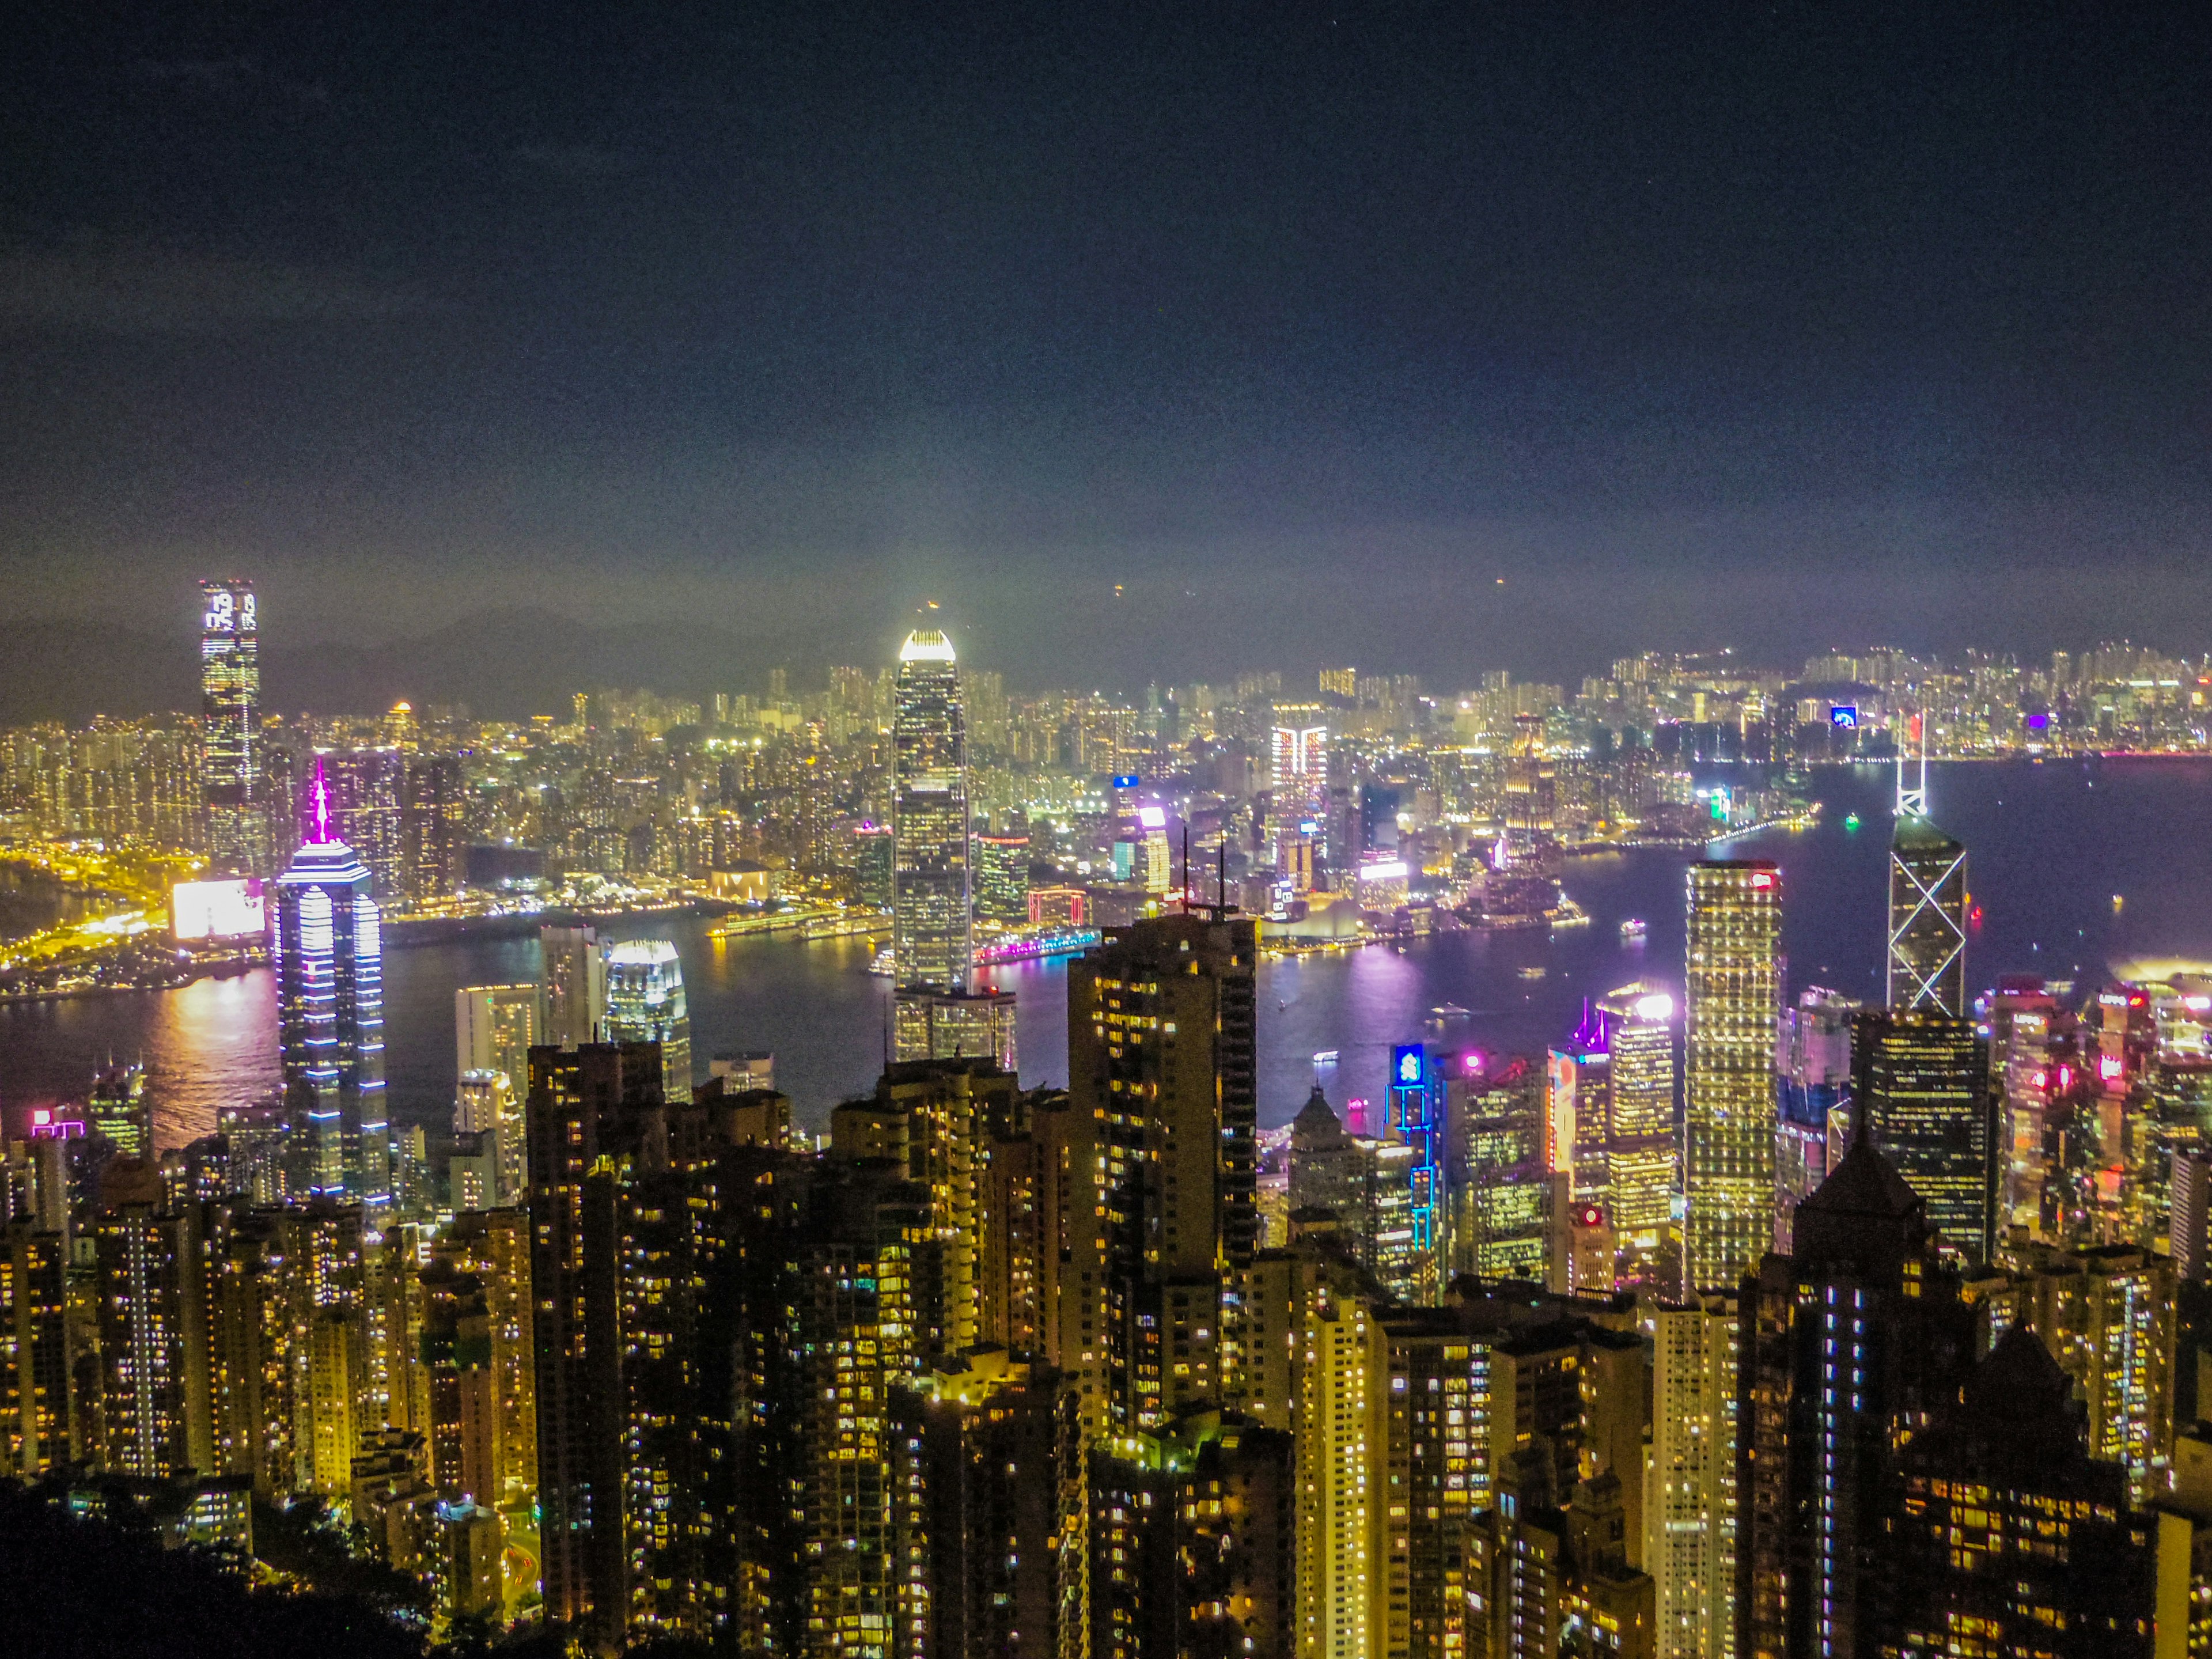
x,y
329,956
1920,1085
574,984
1813,1059
1298,780
230,725
495,1029
1927,919
1161,1029
646,1004
930,915
1733,979
1641,1158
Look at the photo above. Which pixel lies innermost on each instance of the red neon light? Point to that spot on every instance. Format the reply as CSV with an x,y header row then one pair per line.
x,y
1762,879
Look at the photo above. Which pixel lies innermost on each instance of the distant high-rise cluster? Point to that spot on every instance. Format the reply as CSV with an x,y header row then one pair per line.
x,y
230,725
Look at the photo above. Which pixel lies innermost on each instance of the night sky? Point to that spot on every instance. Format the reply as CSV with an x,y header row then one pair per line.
x,y
683,340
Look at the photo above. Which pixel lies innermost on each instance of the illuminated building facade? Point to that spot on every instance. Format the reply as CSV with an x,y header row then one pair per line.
x,y
1920,1085
230,726
1641,1151
1416,1109
1813,1122
1927,919
1690,1496
930,1024
646,1004
495,1029
931,944
328,952
1161,1036
1298,781
1732,978
118,1110
1507,1197
1002,878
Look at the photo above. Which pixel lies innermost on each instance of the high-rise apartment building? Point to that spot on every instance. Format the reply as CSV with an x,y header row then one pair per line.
x,y
230,726
932,943
495,1029
1733,980
646,1004
1690,1495
1161,1029
1927,919
961,1024
1920,1085
433,830
328,951
572,986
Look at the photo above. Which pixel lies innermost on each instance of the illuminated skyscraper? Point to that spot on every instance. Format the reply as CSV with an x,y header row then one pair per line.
x,y
329,956
495,1029
1813,1127
1689,1500
646,1004
931,918
230,725
1298,780
1920,1085
1927,919
1416,1118
1641,1156
1733,979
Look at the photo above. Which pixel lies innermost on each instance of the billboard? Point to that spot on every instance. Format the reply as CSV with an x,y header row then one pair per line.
x,y
216,910
1844,716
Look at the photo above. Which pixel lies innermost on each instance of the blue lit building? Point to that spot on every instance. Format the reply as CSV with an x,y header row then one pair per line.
x,y
1416,1117
329,956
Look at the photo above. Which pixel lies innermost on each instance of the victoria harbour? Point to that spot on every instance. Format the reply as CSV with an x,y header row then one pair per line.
x,y
2054,844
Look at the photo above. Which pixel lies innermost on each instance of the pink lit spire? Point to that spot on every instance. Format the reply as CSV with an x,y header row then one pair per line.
x,y
322,792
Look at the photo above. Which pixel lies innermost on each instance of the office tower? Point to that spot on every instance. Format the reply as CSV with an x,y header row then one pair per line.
x,y
573,985
646,1004
230,726
1845,1347
2010,1537
1298,786
1732,982
329,956
1927,919
1641,1151
1576,1083
1814,1123
433,828
1368,1185
1507,1195
930,942
495,1029
1002,878
1415,1116
1920,1085
2108,1314
118,1110
1690,1499
2191,1208
1161,1029
932,1025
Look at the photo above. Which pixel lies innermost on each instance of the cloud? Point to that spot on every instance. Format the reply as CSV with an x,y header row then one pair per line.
x,y
229,78
102,284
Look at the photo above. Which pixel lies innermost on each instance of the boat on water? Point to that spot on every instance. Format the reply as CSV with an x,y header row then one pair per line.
x,y
884,966
1325,1057
1449,1010
1537,972
1635,931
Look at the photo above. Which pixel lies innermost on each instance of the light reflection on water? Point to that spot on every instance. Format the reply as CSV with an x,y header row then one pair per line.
x,y
2048,847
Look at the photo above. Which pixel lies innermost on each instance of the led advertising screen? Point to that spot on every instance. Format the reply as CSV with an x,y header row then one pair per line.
x,y
216,910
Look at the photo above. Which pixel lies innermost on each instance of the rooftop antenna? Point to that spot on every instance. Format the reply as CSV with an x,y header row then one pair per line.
x,y
1912,799
1186,867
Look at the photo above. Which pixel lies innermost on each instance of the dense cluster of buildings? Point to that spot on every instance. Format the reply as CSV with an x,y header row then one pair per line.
x,y
1732,1325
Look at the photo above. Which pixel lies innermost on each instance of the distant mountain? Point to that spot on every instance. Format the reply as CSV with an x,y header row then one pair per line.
x,y
507,664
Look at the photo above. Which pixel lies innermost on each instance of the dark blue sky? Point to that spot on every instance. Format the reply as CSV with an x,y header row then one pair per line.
x,y
1777,325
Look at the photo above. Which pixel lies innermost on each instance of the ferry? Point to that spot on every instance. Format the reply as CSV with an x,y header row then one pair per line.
x,y
1325,1057
885,966
1635,931
1530,973
1449,1010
